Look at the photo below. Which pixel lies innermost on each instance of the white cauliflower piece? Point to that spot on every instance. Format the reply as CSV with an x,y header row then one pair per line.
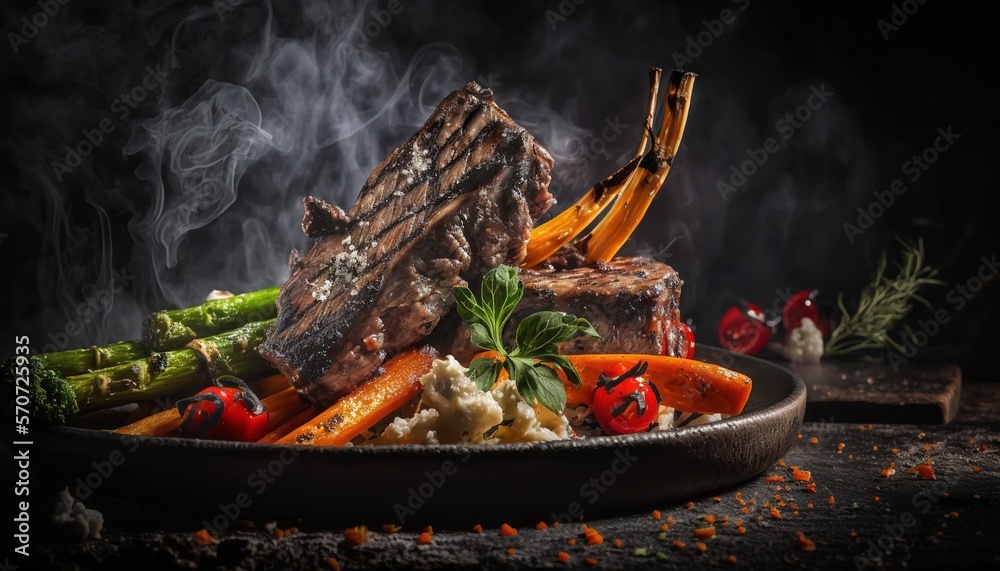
x,y
72,521
527,423
804,343
454,410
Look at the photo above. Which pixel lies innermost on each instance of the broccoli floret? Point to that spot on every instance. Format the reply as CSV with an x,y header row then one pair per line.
x,y
50,398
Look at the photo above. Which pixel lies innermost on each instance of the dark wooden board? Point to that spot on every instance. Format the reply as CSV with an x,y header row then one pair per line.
x,y
858,391
914,523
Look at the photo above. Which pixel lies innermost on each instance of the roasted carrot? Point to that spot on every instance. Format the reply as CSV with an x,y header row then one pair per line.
x,y
369,403
289,425
280,407
614,230
684,384
549,237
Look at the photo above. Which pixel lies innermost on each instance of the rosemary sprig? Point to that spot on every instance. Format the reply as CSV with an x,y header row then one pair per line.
x,y
883,304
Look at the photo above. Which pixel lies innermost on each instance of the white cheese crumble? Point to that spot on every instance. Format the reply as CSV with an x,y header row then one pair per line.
x,y
804,343
455,411
72,521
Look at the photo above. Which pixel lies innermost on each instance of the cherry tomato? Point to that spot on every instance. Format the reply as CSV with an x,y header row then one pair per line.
x,y
688,340
624,402
224,413
803,304
744,330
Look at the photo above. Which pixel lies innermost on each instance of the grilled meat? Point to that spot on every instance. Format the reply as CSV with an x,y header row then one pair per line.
x,y
459,198
632,302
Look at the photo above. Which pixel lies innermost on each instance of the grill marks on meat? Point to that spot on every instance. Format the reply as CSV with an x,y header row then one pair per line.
x,y
459,198
632,302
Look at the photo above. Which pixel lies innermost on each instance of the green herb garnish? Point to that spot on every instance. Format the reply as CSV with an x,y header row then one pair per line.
x,y
532,363
883,305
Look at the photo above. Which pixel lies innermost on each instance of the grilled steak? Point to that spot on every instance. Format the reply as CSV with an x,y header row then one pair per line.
x,y
632,302
459,198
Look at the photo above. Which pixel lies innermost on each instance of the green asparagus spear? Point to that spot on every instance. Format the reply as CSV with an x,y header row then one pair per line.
x,y
170,329
76,361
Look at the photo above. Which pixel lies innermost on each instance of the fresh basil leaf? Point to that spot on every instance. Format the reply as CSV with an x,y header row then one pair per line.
x,y
539,330
484,372
468,308
480,335
564,364
517,370
501,291
547,387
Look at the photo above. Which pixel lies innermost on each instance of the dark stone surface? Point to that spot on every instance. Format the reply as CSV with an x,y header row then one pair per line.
x,y
852,390
919,523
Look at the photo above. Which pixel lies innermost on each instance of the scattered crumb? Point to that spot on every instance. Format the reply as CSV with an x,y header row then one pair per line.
x,y
507,531
689,505
677,544
805,544
563,556
477,528
701,547
617,543
591,561
202,537
357,535
390,528
656,514
333,563
814,440
541,525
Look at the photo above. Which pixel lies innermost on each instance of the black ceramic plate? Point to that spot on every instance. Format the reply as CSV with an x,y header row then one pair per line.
x,y
219,482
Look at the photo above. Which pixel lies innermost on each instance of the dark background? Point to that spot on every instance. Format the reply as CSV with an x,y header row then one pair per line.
x,y
305,98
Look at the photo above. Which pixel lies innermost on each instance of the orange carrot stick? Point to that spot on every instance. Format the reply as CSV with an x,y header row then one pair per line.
x,y
369,403
279,432
684,384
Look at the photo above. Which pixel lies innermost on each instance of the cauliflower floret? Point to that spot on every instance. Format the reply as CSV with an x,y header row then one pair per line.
x,y
525,423
804,343
454,411
72,521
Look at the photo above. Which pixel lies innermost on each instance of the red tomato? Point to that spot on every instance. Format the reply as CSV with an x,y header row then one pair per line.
x,y
224,413
744,331
624,402
803,304
688,339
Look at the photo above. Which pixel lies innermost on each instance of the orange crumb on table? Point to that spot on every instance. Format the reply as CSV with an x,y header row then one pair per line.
x,y
850,456
921,435
202,537
555,524
800,435
563,556
976,497
781,463
854,533
731,559
591,561
831,501
429,528
333,563
745,510
665,527
678,544
760,518
541,525
710,518
953,515
277,533
357,535
741,530
809,505
425,538
811,487
924,470
877,498
511,551
775,513
656,514
814,440
507,531
976,468
870,427
571,541
701,547
705,532
390,528
593,537
716,499
944,494
739,522
689,505
793,505
983,448
801,475
840,447
773,479
804,543
617,543
894,450
670,519
477,528
874,448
